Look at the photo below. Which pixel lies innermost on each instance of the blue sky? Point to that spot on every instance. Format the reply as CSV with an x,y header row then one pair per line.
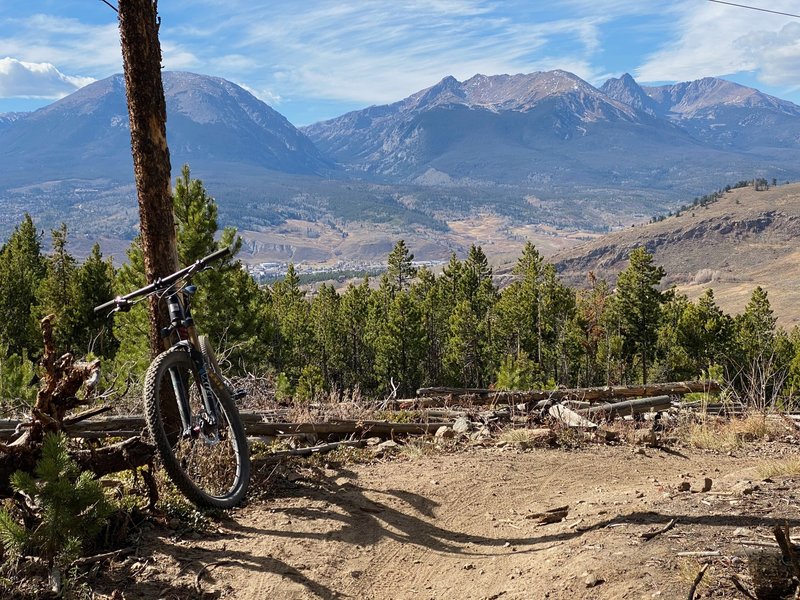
x,y
317,59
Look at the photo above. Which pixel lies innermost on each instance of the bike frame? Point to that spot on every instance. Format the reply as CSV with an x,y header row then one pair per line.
x,y
182,333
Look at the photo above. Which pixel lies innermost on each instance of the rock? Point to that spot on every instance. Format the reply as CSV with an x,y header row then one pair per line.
x,y
373,441
481,434
593,580
462,425
684,486
645,437
388,445
745,488
539,437
445,432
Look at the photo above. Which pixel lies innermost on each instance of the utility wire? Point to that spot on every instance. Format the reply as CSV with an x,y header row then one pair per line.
x,y
774,12
111,6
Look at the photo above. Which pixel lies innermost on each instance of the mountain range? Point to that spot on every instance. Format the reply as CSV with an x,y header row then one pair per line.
x,y
544,149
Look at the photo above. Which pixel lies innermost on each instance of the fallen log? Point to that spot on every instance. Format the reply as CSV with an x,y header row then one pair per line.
x,y
438,396
132,426
628,407
569,417
377,428
311,450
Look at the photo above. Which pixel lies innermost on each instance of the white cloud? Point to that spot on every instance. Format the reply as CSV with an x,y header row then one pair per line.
x,y
777,53
713,39
20,79
266,96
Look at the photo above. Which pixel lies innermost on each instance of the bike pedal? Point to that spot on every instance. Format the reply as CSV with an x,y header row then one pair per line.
x,y
239,394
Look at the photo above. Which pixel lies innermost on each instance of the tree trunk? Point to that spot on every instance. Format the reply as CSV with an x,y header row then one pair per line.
x,y
147,110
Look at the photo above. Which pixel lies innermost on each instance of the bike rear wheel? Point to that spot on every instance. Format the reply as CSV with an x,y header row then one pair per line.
x,y
209,464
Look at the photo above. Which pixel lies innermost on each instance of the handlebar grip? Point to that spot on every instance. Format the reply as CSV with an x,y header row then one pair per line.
x,y
221,253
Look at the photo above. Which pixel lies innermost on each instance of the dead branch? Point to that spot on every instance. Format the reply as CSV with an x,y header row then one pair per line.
x,y
90,560
651,534
737,583
787,548
697,580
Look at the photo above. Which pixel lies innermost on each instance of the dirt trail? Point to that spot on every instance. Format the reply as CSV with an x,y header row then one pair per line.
x,y
459,526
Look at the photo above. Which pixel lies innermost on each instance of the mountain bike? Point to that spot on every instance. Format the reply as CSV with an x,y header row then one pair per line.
x,y
189,407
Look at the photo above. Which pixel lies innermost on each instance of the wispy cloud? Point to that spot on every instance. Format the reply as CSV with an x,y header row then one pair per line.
x,y
36,80
713,39
90,49
381,51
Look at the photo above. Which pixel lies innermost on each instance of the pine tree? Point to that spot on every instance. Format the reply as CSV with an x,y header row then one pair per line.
x,y
755,327
591,305
295,335
465,351
57,292
354,317
22,268
638,302
93,285
401,269
430,297
328,352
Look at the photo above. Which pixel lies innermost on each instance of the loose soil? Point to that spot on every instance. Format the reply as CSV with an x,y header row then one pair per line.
x,y
462,524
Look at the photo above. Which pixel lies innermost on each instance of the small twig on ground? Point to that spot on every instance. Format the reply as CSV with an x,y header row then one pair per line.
x,y
698,553
207,569
742,589
698,578
90,560
651,534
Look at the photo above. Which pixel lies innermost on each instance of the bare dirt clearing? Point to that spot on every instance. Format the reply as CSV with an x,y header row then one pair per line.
x,y
462,525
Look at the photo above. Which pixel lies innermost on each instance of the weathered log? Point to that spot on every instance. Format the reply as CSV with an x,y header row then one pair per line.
x,y
675,388
130,426
628,407
378,428
569,417
321,449
129,454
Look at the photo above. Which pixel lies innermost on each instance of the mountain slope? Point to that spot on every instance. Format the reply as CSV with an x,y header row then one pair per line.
x,y
209,120
744,239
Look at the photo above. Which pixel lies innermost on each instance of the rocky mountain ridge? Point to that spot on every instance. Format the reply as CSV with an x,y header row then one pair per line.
x,y
542,128
744,239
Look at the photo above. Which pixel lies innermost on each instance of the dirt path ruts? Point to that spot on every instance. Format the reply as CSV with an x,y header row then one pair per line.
x,y
456,526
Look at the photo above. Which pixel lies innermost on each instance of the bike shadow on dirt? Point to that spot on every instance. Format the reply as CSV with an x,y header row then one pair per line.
x,y
201,571
343,511
362,516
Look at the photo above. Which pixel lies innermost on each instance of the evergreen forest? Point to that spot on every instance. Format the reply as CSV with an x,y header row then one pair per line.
x,y
390,335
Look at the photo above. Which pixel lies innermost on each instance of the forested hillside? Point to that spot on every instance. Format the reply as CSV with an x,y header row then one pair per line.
x,y
411,328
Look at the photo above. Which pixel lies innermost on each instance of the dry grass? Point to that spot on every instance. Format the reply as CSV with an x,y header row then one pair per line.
x,y
417,448
789,467
725,435
687,571
525,438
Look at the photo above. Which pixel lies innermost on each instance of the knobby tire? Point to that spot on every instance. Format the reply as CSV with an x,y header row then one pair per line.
x,y
210,472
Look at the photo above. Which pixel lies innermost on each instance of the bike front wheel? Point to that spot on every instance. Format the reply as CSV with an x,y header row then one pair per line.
x,y
205,456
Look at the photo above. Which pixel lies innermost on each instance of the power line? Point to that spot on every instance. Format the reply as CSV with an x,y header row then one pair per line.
x,y
111,6
774,12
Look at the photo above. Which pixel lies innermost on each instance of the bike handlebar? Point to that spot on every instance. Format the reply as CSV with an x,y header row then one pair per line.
x,y
164,282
